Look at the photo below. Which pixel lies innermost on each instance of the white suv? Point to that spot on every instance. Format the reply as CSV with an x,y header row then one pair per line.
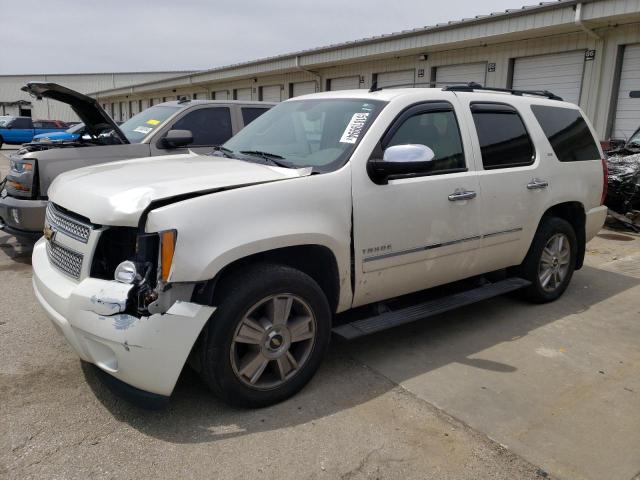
x,y
244,262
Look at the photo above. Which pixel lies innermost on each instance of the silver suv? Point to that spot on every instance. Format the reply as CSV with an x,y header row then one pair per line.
x,y
167,128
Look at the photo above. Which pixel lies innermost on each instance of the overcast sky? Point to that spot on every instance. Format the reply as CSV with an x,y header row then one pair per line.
x,y
73,36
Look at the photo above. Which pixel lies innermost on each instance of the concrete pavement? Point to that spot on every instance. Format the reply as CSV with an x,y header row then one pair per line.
x,y
502,389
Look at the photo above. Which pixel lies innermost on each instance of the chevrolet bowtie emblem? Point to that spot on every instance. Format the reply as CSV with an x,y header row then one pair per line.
x,y
49,233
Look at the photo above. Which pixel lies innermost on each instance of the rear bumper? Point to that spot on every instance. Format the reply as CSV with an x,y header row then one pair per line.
x,y
22,218
595,221
147,353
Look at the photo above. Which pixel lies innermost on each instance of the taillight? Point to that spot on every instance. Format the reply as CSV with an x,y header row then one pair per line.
x,y
605,181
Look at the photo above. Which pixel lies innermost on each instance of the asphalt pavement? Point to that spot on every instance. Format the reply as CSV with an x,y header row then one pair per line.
x,y
500,390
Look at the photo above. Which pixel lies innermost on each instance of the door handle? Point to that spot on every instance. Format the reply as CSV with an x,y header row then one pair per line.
x,y
460,195
537,184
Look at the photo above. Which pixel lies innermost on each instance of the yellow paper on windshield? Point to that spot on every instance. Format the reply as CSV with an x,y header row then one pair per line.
x,y
153,122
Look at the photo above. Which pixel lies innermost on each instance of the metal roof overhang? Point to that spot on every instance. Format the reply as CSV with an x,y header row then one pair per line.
x,y
541,20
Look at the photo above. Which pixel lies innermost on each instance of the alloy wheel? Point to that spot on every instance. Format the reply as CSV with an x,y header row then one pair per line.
x,y
273,341
554,262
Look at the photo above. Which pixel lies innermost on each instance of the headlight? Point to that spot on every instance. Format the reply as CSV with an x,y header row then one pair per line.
x,y
126,272
21,166
21,177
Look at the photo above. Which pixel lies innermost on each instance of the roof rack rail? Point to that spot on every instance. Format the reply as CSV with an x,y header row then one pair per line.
x,y
471,86
376,88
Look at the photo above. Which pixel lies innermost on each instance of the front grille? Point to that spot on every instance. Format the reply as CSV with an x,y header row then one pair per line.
x,y
66,260
70,226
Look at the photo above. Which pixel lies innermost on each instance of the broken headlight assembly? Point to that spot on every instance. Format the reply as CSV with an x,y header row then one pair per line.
x,y
22,178
143,260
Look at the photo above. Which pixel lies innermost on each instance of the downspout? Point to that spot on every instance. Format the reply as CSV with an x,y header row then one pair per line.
x,y
580,23
311,72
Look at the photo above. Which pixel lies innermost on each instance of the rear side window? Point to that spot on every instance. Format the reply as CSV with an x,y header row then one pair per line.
x,y
504,141
250,114
22,123
209,126
567,132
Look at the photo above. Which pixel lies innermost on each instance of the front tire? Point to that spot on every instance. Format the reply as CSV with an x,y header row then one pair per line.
x,y
551,260
267,337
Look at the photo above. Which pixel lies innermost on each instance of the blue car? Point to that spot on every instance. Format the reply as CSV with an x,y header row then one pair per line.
x,y
69,135
18,130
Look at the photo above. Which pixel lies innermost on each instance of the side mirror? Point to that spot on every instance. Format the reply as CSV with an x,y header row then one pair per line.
x,y
177,139
401,160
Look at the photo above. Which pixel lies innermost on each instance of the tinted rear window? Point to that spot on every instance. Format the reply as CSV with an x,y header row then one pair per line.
x,y
249,114
504,140
567,132
22,123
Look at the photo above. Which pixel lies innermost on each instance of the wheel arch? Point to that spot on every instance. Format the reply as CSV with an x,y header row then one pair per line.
x,y
575,214
317,261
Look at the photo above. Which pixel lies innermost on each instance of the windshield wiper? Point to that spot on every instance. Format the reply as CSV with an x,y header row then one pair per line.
x,y
224,150
269,157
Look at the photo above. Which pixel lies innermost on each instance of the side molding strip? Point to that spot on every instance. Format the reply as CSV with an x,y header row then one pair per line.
x,y
439,245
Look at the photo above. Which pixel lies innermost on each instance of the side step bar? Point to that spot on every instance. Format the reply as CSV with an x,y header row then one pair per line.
x,y
367,326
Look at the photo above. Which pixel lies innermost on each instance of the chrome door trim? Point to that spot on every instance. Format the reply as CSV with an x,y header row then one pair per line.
x,y
438,245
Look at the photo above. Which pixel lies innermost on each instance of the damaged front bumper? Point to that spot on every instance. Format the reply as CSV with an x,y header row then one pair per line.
x,y
145,352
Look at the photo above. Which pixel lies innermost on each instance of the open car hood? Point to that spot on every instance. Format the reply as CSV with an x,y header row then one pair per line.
x,y
88,109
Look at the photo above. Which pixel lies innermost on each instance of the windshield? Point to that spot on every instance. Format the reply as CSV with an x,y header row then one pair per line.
x,y
634,141
138,127
4,121
319,133
76,128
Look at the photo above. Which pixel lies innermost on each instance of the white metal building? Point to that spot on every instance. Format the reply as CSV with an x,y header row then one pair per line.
x,y
12,99
585,51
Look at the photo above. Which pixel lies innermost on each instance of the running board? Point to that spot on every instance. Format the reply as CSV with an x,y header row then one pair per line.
x,y
386,320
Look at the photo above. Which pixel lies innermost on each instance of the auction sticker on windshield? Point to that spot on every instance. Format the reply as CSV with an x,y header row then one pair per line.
x,y
144,130
153,122
354,128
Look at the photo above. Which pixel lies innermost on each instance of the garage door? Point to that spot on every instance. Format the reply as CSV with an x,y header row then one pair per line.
x,y
560,73
242,94
303,88
344,83
461,74
200,96
221,95
403,78
627,118
271,93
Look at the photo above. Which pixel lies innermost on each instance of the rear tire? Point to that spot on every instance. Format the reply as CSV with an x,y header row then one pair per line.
x,y
1,142
550,262
267,337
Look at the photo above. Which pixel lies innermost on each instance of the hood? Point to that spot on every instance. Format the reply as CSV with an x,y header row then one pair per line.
x,y
88,109
118,193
